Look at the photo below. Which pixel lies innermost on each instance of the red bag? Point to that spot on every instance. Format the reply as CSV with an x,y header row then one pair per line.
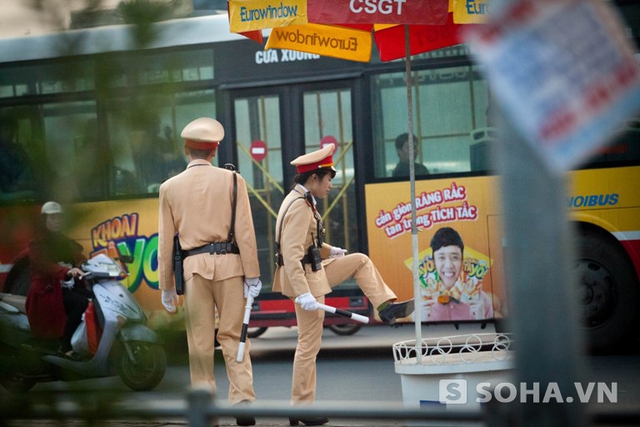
x,y
45,309
94,332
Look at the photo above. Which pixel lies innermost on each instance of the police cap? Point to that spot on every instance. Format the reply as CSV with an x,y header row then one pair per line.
x,y
318,159
203,133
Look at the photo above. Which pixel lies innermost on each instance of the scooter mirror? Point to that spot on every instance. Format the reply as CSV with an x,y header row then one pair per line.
x,y
127,259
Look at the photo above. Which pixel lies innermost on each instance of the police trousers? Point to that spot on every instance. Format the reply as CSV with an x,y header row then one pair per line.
x,y
201,298
310,323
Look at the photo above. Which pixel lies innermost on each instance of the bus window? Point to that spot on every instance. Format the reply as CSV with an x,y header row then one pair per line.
x,y
147,149
66,77
195,65
623,149
17,180
448,104
72,151
257,118
327,114
46,79
17,81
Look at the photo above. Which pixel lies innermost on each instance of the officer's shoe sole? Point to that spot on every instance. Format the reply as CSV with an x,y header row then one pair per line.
x,y
397,310
308,421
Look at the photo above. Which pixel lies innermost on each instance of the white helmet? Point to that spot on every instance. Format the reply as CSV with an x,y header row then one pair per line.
x,y
51,208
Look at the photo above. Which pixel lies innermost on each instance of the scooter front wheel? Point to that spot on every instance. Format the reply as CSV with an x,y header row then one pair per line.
x,y
142,365
16,382
15,369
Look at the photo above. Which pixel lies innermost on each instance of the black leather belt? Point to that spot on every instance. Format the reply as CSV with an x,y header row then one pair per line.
x,y
220,248
280,261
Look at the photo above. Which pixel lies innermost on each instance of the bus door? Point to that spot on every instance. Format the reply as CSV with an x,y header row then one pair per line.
x,y
271,127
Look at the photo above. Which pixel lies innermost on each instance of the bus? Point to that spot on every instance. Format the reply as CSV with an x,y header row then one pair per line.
x,y
95,123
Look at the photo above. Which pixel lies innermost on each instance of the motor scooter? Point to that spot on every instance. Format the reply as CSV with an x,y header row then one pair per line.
x,y
126,347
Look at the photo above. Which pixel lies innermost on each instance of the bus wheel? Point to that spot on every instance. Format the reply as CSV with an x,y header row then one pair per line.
x,y
608,290
255,332
345,329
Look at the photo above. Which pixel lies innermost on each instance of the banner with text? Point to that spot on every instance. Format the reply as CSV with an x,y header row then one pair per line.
x,y
325,40
248,15
433,12
470,11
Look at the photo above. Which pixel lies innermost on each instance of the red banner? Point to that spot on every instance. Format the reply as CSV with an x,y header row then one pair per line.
x,y
423,38
432,12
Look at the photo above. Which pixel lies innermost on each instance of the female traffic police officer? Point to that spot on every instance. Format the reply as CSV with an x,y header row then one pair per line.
x,y
197,204
308,269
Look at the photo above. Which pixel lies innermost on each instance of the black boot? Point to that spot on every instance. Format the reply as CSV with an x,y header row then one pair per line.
x,y
395,310
245,420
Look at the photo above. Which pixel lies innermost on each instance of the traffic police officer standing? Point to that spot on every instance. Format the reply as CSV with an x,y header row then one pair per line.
x,y
308,269
197,204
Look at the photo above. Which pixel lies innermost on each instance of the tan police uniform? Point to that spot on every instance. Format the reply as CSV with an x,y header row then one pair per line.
x,y
297,220
197,205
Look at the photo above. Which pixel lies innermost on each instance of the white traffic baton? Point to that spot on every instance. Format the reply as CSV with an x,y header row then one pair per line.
x,y
344,313
245,328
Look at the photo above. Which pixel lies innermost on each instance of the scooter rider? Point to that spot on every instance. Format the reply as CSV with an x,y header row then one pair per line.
x,y
57,296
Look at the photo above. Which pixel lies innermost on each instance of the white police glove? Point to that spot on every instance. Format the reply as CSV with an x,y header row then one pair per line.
x,y
307,302
252,287
337,252
169,300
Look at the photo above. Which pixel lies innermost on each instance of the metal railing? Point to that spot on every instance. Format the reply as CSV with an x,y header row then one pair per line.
x,y
200,408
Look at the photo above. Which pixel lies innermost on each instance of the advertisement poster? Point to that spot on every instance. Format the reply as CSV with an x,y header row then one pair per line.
x,y
460,264
127,228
